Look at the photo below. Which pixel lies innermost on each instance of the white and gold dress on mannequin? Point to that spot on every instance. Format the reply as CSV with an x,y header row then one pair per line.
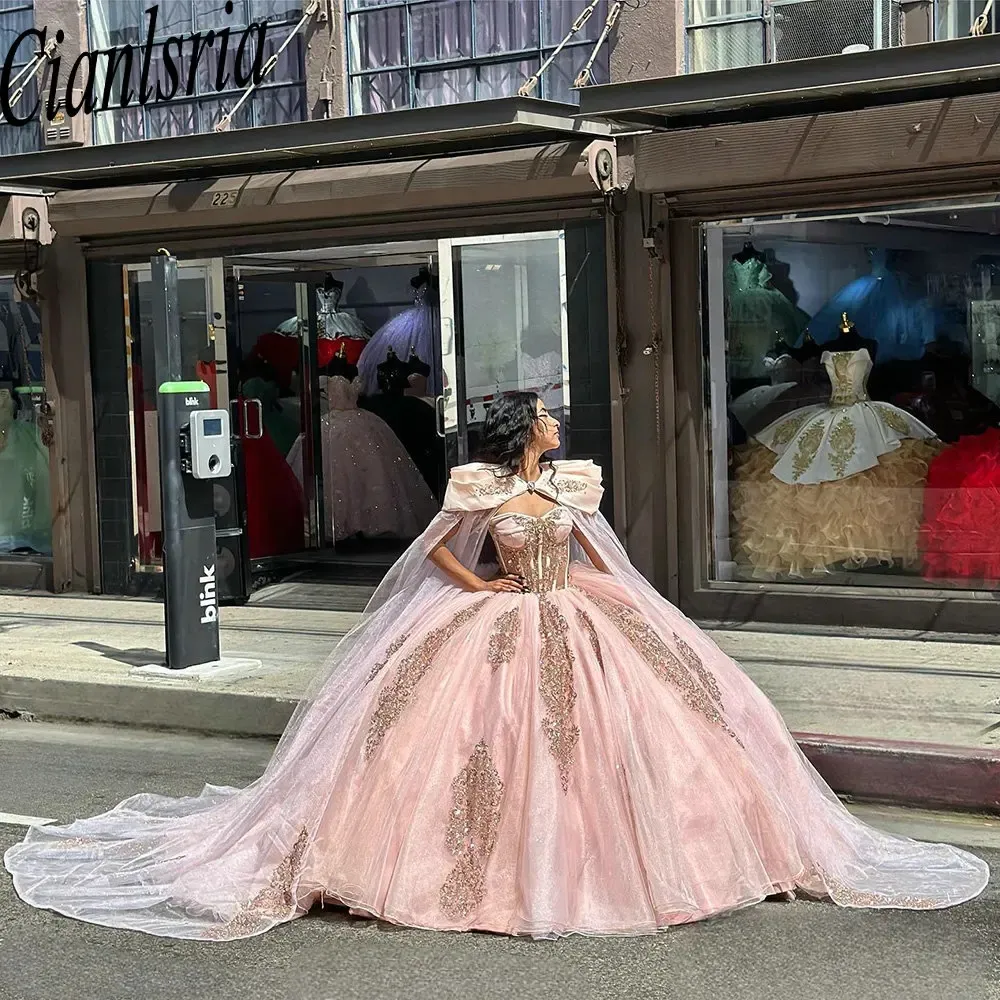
x,y
833,484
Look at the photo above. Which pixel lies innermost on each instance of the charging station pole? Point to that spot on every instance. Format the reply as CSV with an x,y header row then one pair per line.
x,y
189,546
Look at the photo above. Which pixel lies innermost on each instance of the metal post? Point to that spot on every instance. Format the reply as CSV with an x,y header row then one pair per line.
x,y
189,546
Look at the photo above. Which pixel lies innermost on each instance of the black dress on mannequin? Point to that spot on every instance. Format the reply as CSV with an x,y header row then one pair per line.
x,y
411,419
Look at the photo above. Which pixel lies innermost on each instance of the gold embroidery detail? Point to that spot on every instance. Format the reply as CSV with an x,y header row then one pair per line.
x,y
784,432
684,669
843,439
395,696
893,419
845,894
274,902
497,486
556,687
809,444
543,560
587,624
843,393
472,831
503,639
564,484
390,651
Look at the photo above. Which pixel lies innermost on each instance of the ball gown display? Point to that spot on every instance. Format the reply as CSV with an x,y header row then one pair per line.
x,y
25,503
756,315
370,483
576,759
834,440
339,332
902,324
961,529
414,331
834,485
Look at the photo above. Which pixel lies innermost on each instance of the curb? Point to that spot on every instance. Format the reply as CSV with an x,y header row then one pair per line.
x,y
923,775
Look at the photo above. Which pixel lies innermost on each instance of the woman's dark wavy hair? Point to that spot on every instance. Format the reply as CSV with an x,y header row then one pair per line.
x,y
508,428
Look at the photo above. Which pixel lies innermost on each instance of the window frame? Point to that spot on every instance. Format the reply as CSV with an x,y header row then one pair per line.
x,y
35,144
412,70
197,101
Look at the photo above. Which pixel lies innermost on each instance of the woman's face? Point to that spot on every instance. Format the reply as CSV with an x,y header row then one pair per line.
x,y
546,429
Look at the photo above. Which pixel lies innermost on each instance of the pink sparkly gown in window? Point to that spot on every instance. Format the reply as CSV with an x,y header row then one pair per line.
x,y
577,759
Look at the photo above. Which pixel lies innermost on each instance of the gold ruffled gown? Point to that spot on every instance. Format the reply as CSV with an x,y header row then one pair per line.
x,y
837,485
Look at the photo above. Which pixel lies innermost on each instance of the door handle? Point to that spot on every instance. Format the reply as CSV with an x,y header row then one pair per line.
x,y
247,403
439,416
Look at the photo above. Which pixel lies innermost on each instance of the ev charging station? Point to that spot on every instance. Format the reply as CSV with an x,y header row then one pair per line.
x,y
195,449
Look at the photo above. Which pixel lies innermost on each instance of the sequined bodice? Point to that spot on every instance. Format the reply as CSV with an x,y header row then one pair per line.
x,y
848,371
537,548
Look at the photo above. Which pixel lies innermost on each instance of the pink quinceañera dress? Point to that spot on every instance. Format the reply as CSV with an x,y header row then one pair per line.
x,y
579,758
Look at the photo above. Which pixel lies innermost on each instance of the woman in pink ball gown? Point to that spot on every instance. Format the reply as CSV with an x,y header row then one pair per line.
x,y
547,749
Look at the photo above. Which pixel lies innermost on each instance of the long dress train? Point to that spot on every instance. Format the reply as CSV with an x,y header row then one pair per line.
x,y
579,758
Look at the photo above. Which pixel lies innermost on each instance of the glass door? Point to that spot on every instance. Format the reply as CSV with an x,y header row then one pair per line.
x,y
504,328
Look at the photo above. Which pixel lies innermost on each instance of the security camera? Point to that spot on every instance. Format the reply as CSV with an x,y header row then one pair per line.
x,y
602,165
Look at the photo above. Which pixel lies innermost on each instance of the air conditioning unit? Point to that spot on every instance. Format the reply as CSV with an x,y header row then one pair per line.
x,y
64,130
801,29
24,217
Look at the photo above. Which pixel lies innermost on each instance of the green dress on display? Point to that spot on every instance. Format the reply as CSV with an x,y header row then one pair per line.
x,y
25,506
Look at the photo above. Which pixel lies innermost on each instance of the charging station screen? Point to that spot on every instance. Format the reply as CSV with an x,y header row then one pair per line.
x,y
212,427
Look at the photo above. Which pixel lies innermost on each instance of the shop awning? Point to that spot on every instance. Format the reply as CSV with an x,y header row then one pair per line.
x,y
826,84
481,126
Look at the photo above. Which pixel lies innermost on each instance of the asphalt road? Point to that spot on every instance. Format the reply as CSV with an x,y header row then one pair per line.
x,y
775,951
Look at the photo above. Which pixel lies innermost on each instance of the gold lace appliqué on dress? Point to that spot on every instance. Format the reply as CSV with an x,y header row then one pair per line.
x,y
395,696
587,624
274,902
843,443
472,831
844,393
564,484
892,419
683,670
503,639
805,453
557,688
845,895
496,486
784,433
543,560
390,651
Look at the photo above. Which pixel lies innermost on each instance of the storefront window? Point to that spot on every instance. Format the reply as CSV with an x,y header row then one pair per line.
x,y
25,505
855,399
420,53
280,98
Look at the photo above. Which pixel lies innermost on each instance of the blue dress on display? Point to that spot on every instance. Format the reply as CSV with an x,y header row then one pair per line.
x,y
414,331
902,325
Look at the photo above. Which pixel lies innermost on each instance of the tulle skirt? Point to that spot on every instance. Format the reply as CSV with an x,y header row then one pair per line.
x,y
372,487
870,518
961,529
539,764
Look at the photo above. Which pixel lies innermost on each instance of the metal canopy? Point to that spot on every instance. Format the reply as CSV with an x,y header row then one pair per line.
x,y
834,83
480,126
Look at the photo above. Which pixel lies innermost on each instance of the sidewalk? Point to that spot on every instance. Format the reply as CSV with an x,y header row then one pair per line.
x,y
72,657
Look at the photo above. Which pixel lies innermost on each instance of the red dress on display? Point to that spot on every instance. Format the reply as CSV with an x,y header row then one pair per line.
x,y
275,504
328,347
960,537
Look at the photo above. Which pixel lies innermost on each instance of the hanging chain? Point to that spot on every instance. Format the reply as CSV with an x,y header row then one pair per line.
x,y
655,344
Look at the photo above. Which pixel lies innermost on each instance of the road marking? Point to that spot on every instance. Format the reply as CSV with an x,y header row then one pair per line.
x,y
13,819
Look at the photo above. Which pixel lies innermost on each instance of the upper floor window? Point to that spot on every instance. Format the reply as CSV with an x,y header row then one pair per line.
x,y
726,34
955,18
418,53
280,98
17,16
